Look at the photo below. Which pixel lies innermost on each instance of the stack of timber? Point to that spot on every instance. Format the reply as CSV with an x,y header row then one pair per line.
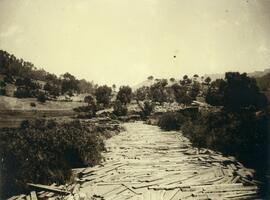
x,y
146,163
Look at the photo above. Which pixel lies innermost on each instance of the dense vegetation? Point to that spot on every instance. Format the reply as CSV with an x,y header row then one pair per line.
x,y
44,152
239,126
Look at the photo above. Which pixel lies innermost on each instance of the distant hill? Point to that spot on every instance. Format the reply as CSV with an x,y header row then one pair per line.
x,y
146,83
255,74
214,76
259,73
264,82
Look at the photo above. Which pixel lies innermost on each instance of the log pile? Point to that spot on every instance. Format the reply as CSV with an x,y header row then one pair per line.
x,y
146,163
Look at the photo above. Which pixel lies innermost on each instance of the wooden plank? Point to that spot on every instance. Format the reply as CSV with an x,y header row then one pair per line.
x,y
33,195
135,192
48,188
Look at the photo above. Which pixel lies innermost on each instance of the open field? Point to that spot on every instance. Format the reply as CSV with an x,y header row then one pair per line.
x,y
14,110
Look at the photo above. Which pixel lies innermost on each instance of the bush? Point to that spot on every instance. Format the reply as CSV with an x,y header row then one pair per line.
x,y
242,134
2,92
147,109
119,109
171,121
124,95
45,152
103,95
41,98
22,92
89,111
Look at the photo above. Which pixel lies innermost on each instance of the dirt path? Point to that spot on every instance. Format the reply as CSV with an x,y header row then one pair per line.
x,y
146,163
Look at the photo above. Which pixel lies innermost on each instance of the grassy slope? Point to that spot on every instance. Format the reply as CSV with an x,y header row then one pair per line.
x,y
12,103
14,110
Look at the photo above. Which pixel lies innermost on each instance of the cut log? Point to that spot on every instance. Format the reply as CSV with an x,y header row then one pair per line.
x,y
48,188
33,195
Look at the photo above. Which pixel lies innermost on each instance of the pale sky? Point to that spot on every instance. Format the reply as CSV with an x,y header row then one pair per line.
x,y
124,41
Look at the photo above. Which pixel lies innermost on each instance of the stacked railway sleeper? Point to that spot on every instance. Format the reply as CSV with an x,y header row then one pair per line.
x,y
146,163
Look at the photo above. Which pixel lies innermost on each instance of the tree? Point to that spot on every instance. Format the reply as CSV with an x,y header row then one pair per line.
x,y
142,93
114,87
207,80
158,92
242,91
124,95
103,95
150,78
92,107
89,100
119,108
215,93
86,87
194,90
8,79
52,89
69,83
148,108
172,80
236,92
181,94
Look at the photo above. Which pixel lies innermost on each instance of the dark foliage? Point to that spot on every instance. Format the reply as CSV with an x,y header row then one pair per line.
x,y
148,108
181,94
142,93
41,97
88,111
52,89
22,92
171,121
44,152
103,95
89,100
119,109
242,134
124,95
158,92
69,83
237,92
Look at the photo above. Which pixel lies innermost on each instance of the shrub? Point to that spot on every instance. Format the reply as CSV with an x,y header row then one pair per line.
x,y
41,97
242,134
44,152
103,95
119,109
147,108
2,91
90,110
22,92
124,95
171,121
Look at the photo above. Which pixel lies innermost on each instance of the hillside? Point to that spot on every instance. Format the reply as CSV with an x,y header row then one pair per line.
x,y
23,79
12,103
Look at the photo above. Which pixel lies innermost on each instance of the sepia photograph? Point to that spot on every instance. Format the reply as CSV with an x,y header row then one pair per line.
x,y
134,99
